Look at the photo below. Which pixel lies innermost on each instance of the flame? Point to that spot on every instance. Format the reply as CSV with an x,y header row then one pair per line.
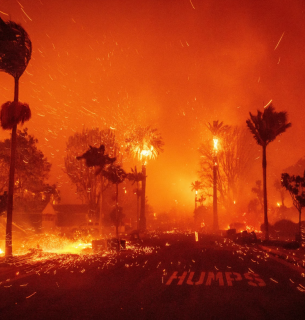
x,y
1,252
146,153
215,140
252,228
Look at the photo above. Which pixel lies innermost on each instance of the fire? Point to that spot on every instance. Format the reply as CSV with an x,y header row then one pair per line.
x,y
146,153
252,228
1,252
215,140
51,243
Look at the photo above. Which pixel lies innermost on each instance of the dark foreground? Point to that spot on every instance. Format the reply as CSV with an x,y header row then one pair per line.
x,y
170,276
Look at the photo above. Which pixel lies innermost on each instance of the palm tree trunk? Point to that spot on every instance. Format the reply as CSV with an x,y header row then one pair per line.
x,y
138,205
142,213
215,214
9,221
265,194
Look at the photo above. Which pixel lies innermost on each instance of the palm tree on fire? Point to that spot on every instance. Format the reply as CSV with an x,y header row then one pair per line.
x,y
144,143
265,127
15,54
217,129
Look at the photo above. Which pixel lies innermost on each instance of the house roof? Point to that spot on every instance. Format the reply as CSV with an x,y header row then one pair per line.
x,y
49,209
71,208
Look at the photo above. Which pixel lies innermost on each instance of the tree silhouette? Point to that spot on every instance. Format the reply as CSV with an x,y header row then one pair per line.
x,y
32,167
15,54
90,185
295,185
265,127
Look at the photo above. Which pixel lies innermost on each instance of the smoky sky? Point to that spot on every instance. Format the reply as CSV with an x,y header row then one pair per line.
x,y
172,64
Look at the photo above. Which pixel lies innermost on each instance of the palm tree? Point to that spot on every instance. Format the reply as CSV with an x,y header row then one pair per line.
x,y
197,185
217,130
265,127
15,54
144,143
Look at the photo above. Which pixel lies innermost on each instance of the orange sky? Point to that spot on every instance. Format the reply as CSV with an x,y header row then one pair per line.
x,y
173,64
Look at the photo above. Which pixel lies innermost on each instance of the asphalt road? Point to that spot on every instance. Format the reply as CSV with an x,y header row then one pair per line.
x,y
168,277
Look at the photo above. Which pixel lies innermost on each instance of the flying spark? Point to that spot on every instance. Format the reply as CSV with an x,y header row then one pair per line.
x,y
267,104
25,14
279,41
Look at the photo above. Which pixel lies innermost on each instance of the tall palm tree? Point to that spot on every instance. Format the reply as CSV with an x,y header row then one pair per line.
x,y
197,185
265,127
15,54
144,143
217,129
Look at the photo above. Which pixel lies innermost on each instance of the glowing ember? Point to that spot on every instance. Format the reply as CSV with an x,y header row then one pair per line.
x,y
53,244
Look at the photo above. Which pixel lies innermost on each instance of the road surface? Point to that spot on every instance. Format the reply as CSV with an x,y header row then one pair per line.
x,y
170,276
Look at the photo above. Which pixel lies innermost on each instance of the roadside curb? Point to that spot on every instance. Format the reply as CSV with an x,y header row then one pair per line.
x,y
290,260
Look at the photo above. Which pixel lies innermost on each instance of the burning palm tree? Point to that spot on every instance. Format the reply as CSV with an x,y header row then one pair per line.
x,y
265,127
144,143
15,54
217,130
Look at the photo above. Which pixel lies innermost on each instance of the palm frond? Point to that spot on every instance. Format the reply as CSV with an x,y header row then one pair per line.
x,y
217,128
13,113
197,185
266,126
15,48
